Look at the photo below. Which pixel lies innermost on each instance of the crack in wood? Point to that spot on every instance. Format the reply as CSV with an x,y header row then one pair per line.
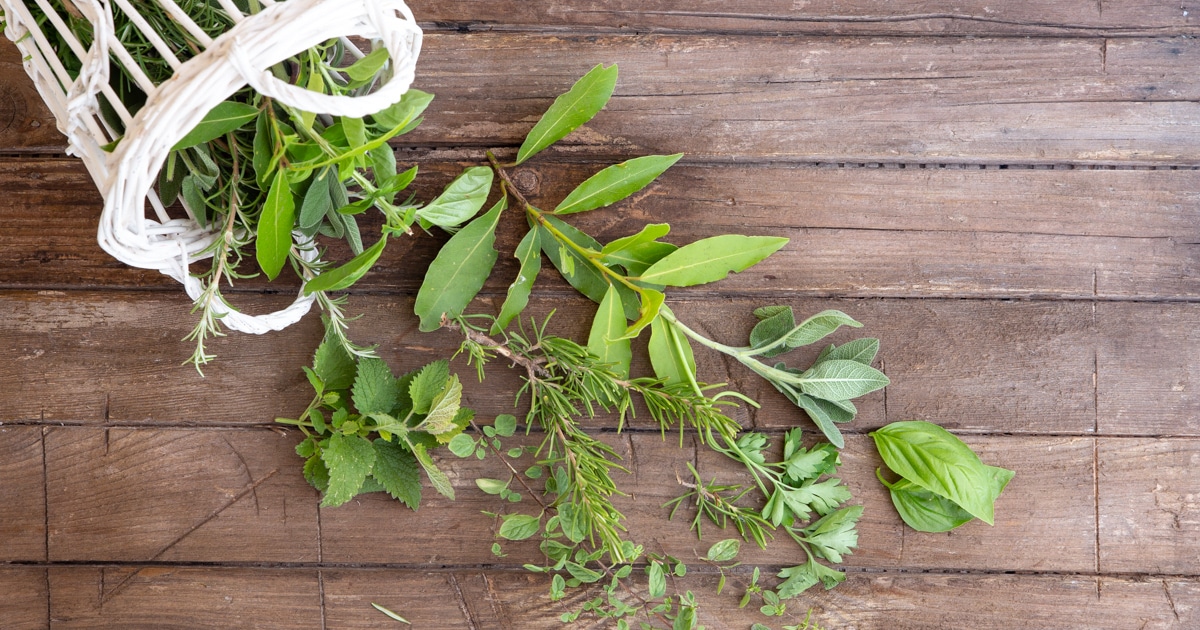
x,y
1170,599
214,514
462,601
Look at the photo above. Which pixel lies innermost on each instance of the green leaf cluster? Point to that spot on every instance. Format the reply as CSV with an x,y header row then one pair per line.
x,y
368,431
943,483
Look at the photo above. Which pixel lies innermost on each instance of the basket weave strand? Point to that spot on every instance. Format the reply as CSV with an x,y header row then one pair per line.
x,y
238,57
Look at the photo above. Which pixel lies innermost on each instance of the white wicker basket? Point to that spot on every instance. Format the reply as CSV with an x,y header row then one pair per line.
x,y
151,239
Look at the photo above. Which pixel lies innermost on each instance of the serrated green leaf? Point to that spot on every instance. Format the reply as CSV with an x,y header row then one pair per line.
x,y
437,478
346,275
366,68
349,459
529,253
519,526
426,384
934,459
404,112
834,535
458,272
443,409
462,198
462,445
374,387
822,498
841,380
316,473
711,259
577,106
616,183
220,120
800,578
505,425
396,470
274,237
860,350
334,365
803,464
725,550
670,352
607,338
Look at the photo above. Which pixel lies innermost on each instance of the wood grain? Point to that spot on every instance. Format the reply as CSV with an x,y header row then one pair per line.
x,y
863,17
855,231
24,605
109,507
928,100
169,597
892,601
1031,368
1149,512
233,495
22,495
1149,376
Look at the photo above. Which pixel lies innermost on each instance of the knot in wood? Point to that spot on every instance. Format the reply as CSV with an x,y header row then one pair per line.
x,y
12,106
527,181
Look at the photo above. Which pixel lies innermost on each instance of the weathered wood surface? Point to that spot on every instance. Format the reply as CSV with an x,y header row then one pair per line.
x,y
1031,366
184,597
1037,159
926,100
1079,234
860,17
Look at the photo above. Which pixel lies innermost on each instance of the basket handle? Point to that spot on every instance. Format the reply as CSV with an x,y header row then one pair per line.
x,y
391,20
238,57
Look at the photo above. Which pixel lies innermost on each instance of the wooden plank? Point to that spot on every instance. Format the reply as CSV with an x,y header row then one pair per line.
x,y
1049,480
929,100
157,597
1147,382
863,17
1149,513
1031,369
178,495
22,495
891,601
856,231
110,507
26,125
24,605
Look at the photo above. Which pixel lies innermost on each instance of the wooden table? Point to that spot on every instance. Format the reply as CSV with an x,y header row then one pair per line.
x,y
1005,193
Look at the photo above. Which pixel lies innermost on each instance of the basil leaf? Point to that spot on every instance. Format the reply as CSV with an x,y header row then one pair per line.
x,y
529,252
577,106
405,111
711,259
275,223
607,339
347,274
841,380
932,458
220,120
366,68
462,198
925,511
616,183
458,272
